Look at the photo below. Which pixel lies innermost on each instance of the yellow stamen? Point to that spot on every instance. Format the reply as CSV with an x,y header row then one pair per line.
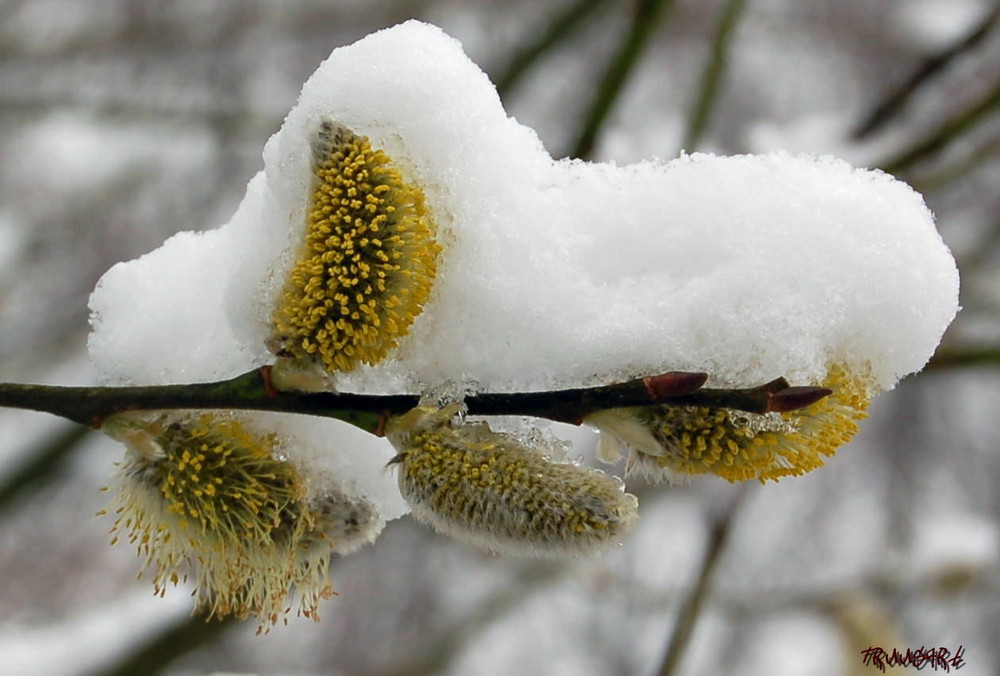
x,y
667,441
243,518
495,492
368,261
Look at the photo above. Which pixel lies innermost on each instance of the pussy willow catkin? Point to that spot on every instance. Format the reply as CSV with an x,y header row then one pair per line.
x,y
368,259
669,442
206,493
498,493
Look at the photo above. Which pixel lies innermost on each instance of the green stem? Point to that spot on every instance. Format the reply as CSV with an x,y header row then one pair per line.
x,y
704,103
645,20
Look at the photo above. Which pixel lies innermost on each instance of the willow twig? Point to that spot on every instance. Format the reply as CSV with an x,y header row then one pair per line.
x,y
253,391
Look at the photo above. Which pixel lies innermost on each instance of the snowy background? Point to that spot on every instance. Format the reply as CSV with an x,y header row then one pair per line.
x,y
122,123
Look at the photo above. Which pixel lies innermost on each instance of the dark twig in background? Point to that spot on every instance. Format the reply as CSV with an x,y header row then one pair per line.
x,y
692,605
561,27
950,174
711,78
441,651
945,133
162,649
888,109
40,465
952,358
645,20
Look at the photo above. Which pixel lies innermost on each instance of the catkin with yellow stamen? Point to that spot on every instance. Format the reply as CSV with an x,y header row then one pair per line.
x,y
496,493
668,442
368,261
204,492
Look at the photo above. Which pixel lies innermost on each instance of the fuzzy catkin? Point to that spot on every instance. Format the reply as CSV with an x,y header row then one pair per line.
x,y
207,493
668,443
367,263
499,494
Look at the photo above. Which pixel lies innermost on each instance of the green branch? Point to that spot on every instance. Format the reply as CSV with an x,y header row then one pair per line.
x,y
253,391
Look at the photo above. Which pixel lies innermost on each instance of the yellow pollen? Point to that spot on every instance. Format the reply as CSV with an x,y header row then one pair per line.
x,y
495,492
357,191
738,446
241,516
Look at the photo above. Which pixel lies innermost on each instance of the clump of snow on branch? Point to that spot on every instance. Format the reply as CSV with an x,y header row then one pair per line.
x,y
554,273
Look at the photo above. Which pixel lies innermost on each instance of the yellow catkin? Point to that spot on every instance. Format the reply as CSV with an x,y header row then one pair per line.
x,y
499,494
668,442
368,261
204,493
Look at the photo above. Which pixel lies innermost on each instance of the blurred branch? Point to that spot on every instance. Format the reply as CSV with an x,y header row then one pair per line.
x,y
439,654
133,108
942,178
969,357
159,651
945,133
41,464
645,19
253,391
695,601
711,78
893,104
560,27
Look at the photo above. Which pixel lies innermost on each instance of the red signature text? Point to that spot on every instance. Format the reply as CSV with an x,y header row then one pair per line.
x,y
938,659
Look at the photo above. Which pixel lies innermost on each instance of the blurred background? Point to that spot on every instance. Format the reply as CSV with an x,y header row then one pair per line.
x,y
123,122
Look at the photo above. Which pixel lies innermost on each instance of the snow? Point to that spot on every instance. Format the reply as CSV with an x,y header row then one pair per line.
x,y
553,273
